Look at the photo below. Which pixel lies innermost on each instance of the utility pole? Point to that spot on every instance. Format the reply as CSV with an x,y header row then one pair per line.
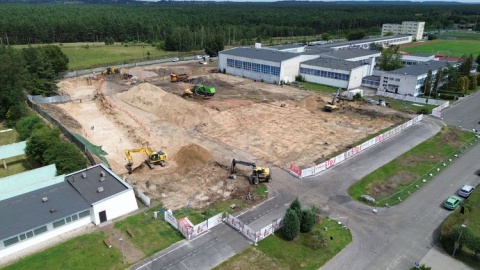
x,y
121,247
457,243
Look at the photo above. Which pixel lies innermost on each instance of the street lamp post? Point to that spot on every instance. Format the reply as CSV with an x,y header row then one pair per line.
x,y
121,246
457,243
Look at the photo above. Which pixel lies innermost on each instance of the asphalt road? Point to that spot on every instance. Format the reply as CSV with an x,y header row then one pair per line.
x,y
464,113
393,238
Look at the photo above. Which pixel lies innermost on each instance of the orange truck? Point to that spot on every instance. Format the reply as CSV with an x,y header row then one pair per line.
x,y
178,77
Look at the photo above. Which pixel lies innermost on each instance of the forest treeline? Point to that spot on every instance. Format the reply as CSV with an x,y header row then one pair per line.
x,y
186,26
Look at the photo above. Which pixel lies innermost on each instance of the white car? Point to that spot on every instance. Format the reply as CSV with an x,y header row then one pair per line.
x,y
175,59
465,191
199,57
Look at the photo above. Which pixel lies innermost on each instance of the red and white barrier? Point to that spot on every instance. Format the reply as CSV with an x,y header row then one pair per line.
x,y
317,169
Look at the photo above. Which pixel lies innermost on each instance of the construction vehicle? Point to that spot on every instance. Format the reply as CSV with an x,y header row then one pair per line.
x,y
200,90
154,158
330,107
204,90
258,173
111,70
178,77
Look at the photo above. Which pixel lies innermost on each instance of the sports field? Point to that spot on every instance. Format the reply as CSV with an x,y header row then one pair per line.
x,y
452,48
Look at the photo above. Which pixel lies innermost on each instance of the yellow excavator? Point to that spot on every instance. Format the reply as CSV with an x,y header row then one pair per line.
x,y
331,106
154,158
258,173
110,70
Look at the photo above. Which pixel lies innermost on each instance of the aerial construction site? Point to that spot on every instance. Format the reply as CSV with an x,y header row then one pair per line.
x,y
200,134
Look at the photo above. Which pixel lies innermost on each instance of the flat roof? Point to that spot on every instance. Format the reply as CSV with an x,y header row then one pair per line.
x,y
88,181
350,53
12,150
27,211
332,63
372,78
28,181
260,54
286,46
421,68
367,40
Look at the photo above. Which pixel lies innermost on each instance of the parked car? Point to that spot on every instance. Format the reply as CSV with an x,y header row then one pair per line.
x,y
478,172
175,59
452,202
199,57
465,191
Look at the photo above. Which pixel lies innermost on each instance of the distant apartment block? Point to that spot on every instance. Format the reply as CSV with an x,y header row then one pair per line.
x,y
408,27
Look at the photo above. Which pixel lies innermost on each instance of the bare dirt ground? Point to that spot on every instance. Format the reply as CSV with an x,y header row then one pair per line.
x,y
264,122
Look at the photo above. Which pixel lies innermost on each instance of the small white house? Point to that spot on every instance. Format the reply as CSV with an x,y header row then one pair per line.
x,y
94,194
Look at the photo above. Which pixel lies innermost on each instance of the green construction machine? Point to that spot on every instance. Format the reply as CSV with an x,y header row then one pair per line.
x,y
204,90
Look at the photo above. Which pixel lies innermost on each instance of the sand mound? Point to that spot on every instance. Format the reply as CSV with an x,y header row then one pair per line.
x,y
309,103
168,107
190,156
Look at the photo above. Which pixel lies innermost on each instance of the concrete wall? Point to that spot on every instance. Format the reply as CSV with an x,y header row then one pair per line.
x,y
289,69
406,84
326,81
356,76
52,233
115,206
222,64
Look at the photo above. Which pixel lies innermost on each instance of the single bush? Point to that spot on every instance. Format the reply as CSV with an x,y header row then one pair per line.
x,y
315,240
307,221
27,125
291,225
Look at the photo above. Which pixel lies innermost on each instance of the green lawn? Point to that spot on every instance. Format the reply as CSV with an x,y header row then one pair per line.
x,y
408,170
407,106
83,252
318,87
275,252
87,55
14,164
456,48
151,235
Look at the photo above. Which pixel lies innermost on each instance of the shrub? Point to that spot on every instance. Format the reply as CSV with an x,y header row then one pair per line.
x,y
27,125
315,240
307,221
291,225
65,156
423,111
297,207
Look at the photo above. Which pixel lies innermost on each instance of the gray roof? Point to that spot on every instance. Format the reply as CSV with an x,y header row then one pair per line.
x,y
27,211
372,78
421,68
286,46
350,53
367,40
88,186
332,63
314,50
422,54
261,54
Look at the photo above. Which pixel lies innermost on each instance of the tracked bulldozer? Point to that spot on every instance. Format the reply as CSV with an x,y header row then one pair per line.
x,y
154,158
258,173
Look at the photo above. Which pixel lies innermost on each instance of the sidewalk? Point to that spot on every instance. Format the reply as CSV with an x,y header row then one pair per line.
x,y
437,259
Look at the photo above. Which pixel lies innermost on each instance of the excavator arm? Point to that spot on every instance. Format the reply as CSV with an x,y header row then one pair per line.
x,y
153,157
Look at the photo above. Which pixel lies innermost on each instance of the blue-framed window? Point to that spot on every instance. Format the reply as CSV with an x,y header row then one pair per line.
x,y
238,64
230,62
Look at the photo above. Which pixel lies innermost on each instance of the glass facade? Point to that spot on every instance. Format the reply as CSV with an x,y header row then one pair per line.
x,y
255,67
325,74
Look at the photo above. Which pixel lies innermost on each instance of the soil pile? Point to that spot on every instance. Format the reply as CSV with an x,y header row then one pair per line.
x,y
168,107
190,156
141,74
310,103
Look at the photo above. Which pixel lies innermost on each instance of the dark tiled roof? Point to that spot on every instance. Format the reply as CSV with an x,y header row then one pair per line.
x,y
332,63
372,78
261,54
27,211
286,46
89,186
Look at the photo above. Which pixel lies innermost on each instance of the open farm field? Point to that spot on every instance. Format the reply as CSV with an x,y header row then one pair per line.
x,y
452,48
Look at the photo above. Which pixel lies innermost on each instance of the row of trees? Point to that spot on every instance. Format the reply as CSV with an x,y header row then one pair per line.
x,y
45,147
190,26
31,70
